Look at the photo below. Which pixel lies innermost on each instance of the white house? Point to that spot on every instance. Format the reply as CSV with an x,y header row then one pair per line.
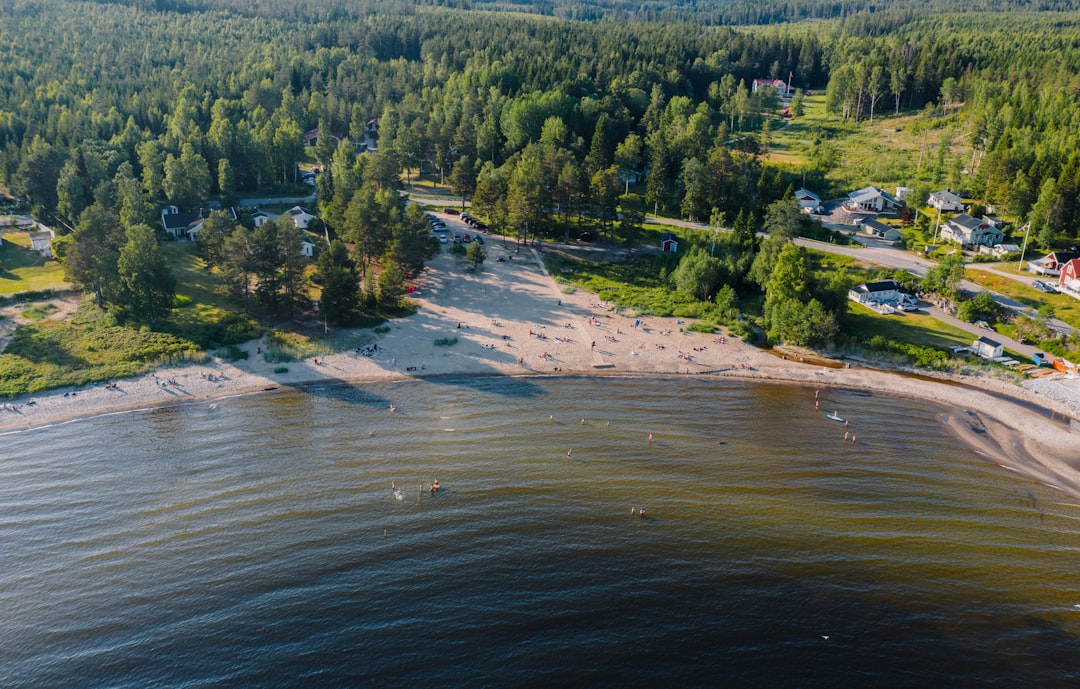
x,y
183,225
186,225
778,84
1000,250
968,231
987,348
874,293
903,192
871,199
41,241
880,230
260,218
807,199
945,201
1052,263
307,247
301,216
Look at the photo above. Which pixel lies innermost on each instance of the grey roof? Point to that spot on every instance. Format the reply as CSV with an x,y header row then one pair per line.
x,y
182,221
968,223
988,341
947,195
877,225
871,192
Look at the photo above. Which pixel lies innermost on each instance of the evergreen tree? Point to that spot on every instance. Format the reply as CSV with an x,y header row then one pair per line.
x,y
336,273
147,285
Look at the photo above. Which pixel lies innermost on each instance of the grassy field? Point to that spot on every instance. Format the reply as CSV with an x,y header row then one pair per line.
x,y
890,150
88,348
912,328
1065,307
23,270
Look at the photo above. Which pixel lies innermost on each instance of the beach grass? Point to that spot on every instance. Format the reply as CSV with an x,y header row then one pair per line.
x,y
88,348
25,270
283,347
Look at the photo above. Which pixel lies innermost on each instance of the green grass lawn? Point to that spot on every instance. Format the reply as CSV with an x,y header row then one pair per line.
x,y
88,348
206,290
23,270
212,317
912,328
1065,307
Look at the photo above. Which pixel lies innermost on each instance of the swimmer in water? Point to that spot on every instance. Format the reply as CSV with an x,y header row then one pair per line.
x,y
393,408
569,452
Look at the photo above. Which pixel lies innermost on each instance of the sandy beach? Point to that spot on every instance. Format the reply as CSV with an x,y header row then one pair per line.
x,y
512,318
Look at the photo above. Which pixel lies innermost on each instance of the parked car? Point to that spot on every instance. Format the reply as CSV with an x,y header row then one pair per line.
x,y
457,239
586,236
982,324
442,239
1043,286
479,225
479,239
466,239
450,211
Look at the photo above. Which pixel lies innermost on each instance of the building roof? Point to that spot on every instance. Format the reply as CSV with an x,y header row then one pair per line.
x,y
774,83
1059,256
806,194
1008,248
987,341
43,236
968,223
870,193
946,196
183,221
300,210
879,286
878,226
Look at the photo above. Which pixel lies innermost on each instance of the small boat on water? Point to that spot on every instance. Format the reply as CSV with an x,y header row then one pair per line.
x,y
835,417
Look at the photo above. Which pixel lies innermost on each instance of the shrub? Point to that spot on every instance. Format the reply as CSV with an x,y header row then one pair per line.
x,y
281,369
283,347
382,330
701,327
445,341
180,301
231,353
233,328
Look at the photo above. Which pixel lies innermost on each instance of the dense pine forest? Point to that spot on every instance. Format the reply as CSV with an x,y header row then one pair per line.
x,y
543,114
222,92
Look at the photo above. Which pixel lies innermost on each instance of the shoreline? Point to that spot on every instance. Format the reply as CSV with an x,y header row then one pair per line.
x,y
513,320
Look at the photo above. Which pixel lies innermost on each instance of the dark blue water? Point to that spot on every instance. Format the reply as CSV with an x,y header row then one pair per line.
x,y
258,543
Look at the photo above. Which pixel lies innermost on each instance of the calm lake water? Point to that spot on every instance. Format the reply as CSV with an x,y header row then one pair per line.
x,y
256,542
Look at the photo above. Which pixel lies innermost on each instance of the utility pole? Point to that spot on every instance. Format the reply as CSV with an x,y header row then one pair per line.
x,y
1027,233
